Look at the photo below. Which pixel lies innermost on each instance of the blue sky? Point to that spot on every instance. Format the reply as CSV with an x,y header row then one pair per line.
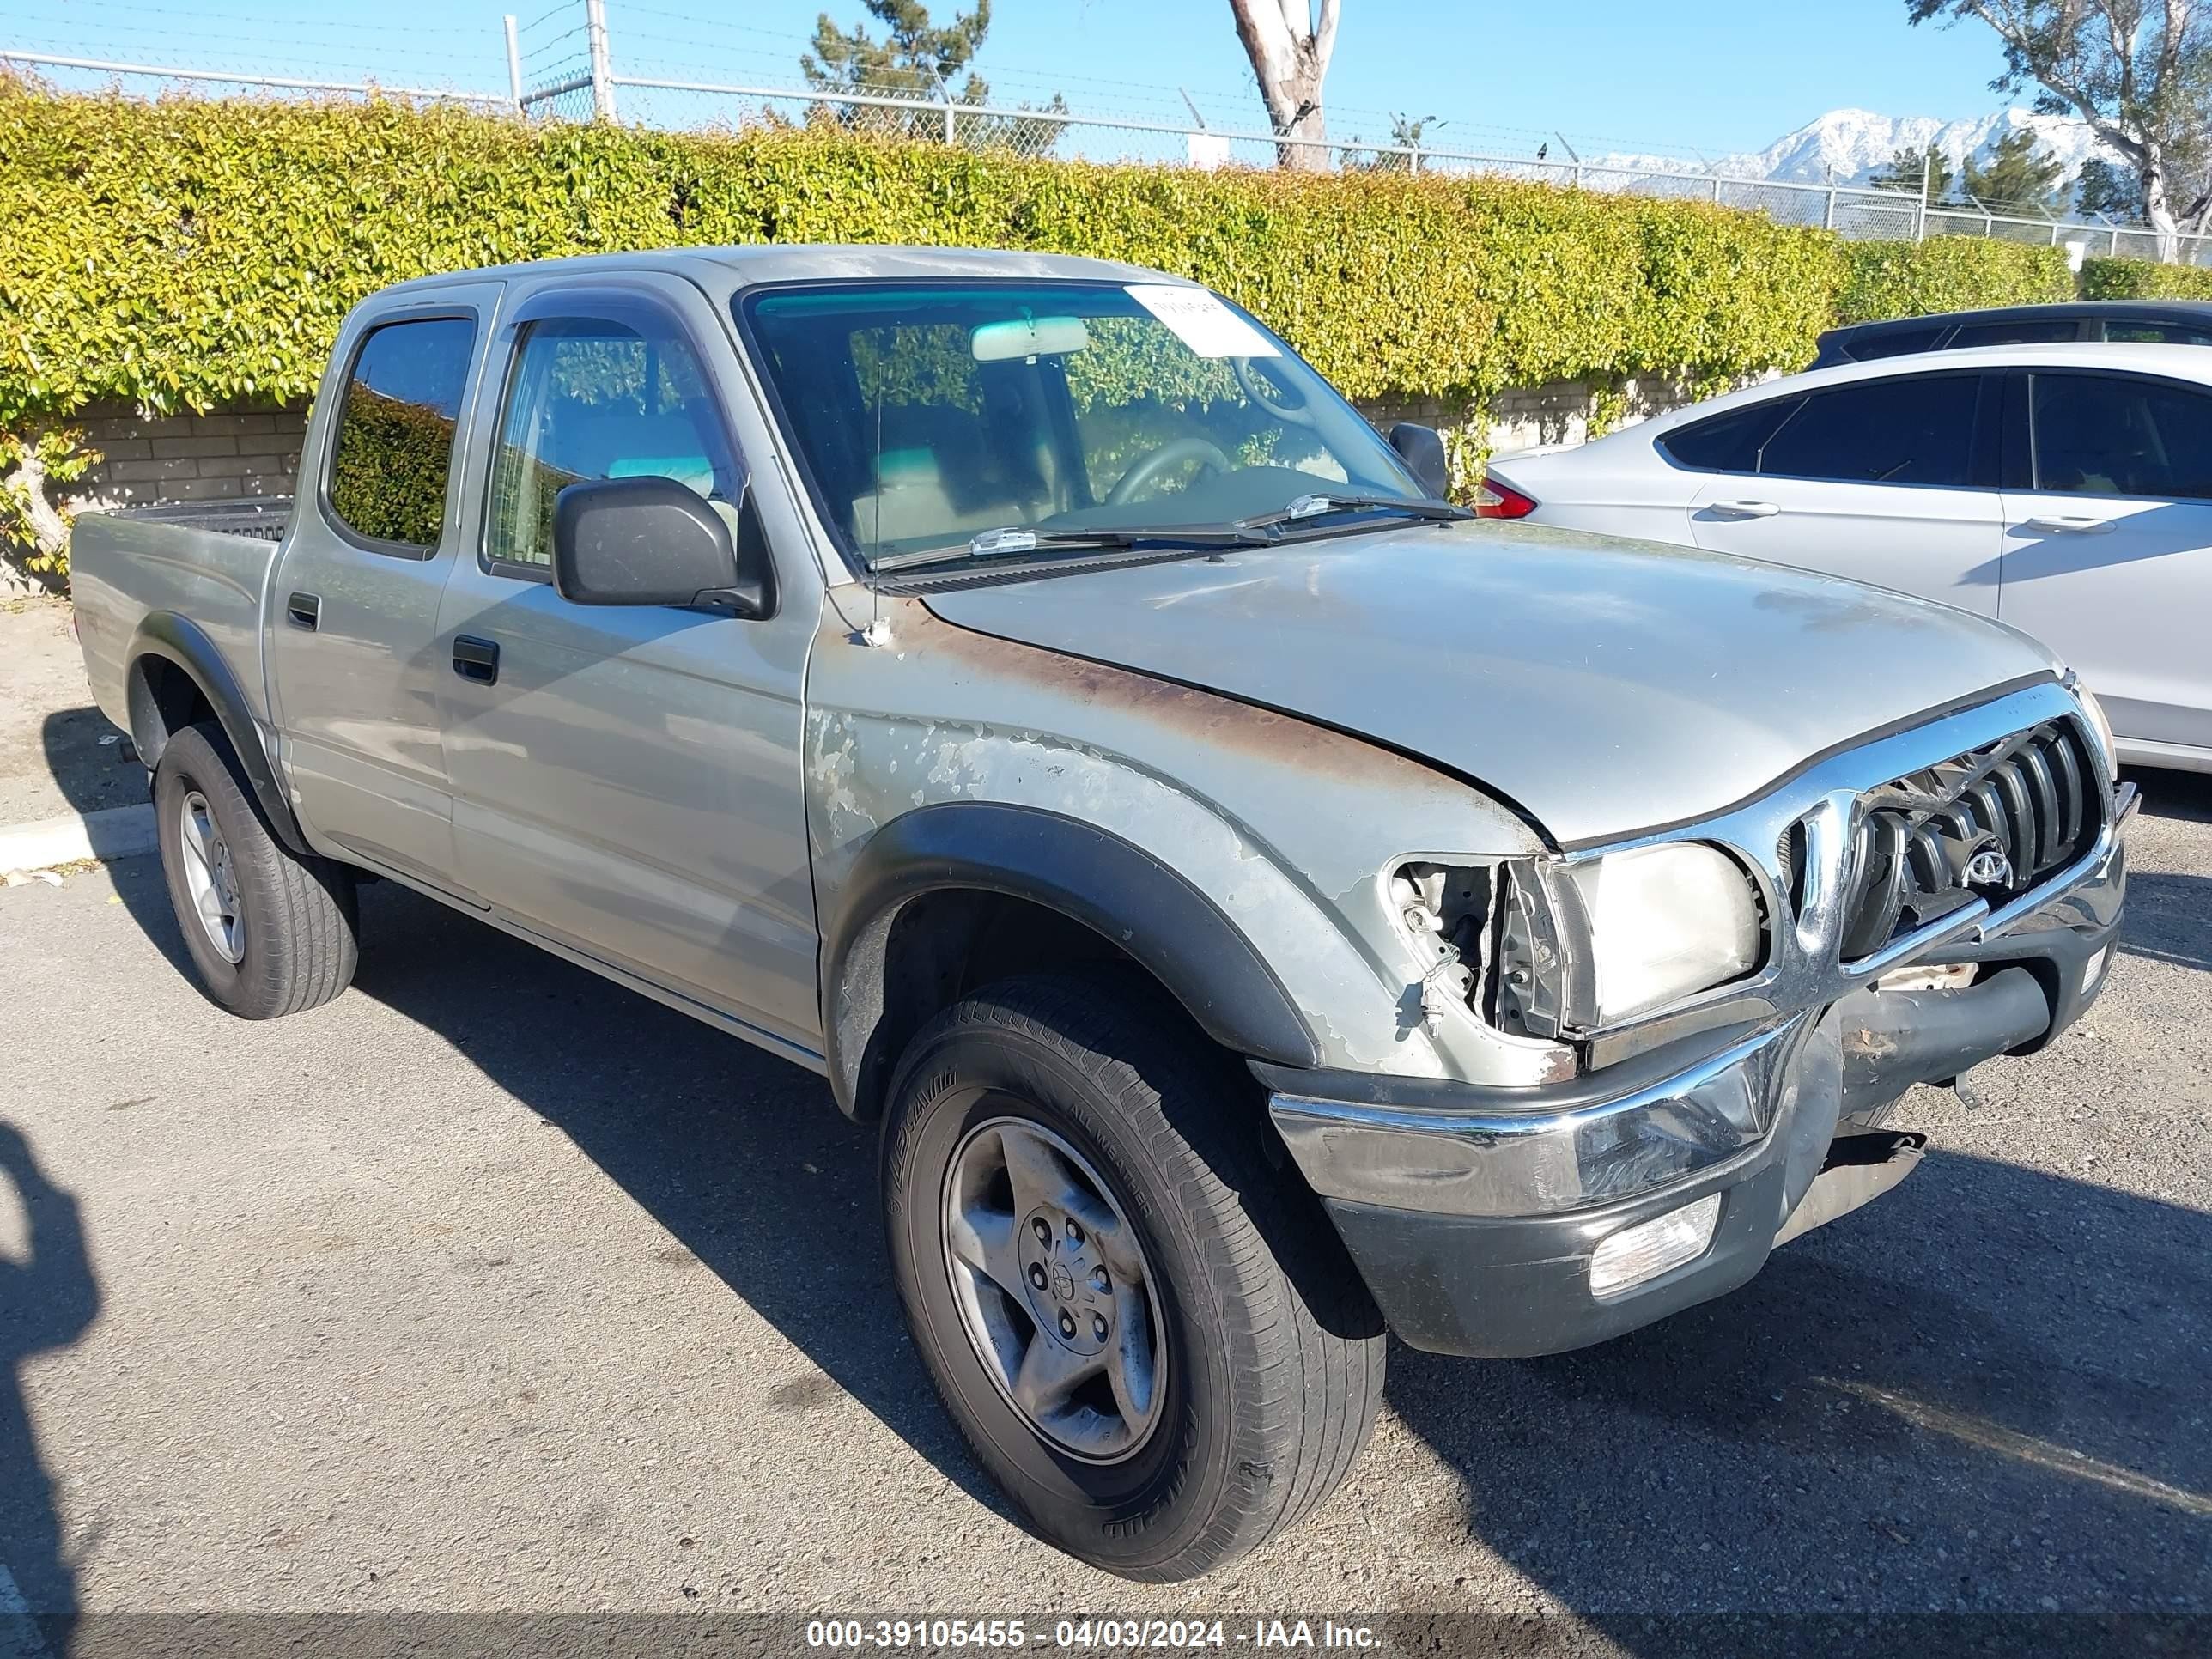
x,y
1710,76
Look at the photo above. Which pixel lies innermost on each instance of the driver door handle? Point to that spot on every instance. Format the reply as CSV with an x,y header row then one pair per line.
x,y
1742,509
476,660
2064,524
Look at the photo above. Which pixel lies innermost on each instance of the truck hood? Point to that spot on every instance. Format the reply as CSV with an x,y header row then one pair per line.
x,y
1604,686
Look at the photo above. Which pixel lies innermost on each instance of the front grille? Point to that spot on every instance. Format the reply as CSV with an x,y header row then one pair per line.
x,y
1990,824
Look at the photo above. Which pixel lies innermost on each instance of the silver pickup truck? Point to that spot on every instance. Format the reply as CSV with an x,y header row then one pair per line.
x,y
1261,907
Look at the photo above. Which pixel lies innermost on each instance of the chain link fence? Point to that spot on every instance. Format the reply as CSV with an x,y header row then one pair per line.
x,y
682,72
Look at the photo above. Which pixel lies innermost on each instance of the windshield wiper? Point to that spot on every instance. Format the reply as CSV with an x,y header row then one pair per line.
x,y
1321,504
1013,539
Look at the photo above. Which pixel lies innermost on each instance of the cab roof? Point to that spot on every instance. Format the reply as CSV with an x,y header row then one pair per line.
x,y
733,269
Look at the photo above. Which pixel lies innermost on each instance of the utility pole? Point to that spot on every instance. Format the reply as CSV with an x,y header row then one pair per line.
x,y
513,65
1927,175
603,77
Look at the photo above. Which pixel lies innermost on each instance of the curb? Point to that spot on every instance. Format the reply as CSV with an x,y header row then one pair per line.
x,y
114,832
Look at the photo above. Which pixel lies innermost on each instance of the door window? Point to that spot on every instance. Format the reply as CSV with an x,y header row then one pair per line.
x,y
2096,435
595,397
1915,430
394,449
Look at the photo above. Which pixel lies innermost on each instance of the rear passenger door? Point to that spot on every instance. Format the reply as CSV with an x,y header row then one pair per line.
x,y
2108,541
355,675
626,779
1889,480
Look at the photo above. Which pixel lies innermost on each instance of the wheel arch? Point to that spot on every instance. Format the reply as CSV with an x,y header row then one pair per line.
x,y
176,672
952,895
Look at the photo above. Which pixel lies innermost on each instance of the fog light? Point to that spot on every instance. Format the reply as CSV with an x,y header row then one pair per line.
x,y
1652,1247
2094,967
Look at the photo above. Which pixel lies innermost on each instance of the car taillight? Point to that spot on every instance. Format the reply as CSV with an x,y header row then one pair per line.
x,y
1494,498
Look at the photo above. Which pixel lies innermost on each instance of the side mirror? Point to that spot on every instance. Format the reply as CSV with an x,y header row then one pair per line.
x,y
1422,449
654,541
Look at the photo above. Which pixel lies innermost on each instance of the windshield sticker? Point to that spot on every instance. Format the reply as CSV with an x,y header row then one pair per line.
x,y
1201,322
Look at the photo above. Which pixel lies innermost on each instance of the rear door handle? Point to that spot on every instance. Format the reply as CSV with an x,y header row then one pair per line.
x,y
1743,509
2069,525
304,610
476,660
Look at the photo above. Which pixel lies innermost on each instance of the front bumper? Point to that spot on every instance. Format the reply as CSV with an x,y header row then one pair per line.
x,y
1473,1213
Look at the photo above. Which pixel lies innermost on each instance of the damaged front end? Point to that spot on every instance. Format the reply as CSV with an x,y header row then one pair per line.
x,y
1746,997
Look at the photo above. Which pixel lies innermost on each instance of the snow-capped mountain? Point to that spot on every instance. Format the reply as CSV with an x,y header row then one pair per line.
x,y
1845,145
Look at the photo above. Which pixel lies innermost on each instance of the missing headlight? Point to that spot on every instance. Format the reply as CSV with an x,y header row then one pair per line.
x,y
1447,909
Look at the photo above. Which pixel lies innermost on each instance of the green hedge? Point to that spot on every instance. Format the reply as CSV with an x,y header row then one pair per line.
x,y
1947,273
193,254
2144,279
196,254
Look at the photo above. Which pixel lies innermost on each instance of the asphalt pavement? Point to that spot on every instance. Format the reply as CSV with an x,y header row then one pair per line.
x,y
492,1286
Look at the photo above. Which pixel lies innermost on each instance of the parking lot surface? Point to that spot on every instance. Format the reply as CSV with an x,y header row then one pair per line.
x,y
490,1286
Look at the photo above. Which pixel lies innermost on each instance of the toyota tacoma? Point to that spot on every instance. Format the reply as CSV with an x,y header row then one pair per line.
x,y
1261,905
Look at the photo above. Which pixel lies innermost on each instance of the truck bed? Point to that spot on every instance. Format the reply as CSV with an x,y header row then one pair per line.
x,y
205,561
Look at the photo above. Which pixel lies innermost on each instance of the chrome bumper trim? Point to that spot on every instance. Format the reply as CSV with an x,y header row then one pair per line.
x,y
1506,1163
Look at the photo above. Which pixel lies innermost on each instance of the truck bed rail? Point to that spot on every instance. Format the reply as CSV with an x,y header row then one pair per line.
x,y
263,518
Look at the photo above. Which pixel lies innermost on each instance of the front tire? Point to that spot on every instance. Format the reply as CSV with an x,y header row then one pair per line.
x,y
1151,1338
270,932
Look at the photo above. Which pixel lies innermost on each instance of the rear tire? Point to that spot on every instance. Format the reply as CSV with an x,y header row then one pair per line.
x,y
1268,1368
270,932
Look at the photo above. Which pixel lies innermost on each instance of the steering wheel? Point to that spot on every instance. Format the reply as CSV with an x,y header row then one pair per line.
x,y
1255,387
1150,468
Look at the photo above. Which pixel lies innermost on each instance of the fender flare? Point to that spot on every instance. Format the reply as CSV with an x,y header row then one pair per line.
x,y
181,641
1130,898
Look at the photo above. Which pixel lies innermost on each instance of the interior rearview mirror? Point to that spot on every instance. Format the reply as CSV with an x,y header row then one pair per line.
x,y
654,541
1422,449
1028,337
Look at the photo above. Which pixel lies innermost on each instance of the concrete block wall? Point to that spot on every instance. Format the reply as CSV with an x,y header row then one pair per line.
x,y
219,456
1530,417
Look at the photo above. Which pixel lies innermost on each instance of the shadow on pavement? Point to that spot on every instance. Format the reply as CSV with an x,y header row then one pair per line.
x,y
2186,796
2166,919
48,1298
90,762
703,1131
1986,1391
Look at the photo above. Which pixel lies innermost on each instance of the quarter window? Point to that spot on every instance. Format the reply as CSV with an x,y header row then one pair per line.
x,y
394,450
1893,343
2040,331
1915,429
1730,442
597,397
2157,334
2106,435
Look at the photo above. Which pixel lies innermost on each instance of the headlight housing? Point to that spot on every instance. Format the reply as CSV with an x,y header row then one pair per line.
x,y
2098,719
1592,944
1665,921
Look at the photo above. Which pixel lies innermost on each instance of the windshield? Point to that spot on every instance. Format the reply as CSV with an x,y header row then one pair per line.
x,y
926,414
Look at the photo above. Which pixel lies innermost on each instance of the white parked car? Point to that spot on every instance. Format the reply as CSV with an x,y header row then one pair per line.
x,y
2063,489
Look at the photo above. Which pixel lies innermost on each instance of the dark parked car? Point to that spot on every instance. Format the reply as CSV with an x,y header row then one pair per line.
x,y
2167,322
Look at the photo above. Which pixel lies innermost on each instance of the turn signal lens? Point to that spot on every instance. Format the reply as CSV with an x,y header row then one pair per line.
x,y
1654,1247
1494,498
